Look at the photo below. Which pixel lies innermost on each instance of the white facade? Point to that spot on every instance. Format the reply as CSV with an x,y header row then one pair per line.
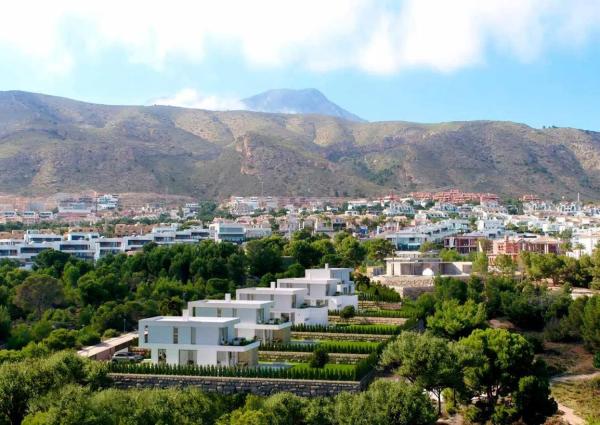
x,y
255,322
329,287
201,341
227,232
289,304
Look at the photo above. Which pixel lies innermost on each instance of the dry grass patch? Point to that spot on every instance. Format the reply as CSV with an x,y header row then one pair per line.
x,y
569,358
581,396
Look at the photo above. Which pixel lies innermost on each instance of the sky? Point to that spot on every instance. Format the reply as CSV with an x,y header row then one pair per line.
x,y
531,61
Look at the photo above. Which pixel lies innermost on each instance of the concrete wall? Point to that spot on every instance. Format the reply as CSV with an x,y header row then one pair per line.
x,y
221,385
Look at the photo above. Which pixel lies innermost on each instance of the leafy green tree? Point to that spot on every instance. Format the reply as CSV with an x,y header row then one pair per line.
x,y
264,256
319,358
450,255
590,326
303,253
425,360
38,293
480,263
351,251
505,264
5,322
533,401
347,312
453,320
385,403
427,246
493,362
448,288
378,249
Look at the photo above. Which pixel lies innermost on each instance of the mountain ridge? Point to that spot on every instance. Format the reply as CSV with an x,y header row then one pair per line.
x,y
53,144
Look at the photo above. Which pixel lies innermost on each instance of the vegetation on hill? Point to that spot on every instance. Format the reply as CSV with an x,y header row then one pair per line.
x,y
51,144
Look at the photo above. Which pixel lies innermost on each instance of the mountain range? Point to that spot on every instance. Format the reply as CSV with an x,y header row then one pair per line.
x,y
50,144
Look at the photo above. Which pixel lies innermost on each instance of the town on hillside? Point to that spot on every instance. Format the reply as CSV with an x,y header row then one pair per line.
x,y
312,297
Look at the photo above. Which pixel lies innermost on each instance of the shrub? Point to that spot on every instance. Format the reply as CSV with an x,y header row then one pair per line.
x,y
351,329
319,358
344,347
597,360
348,312
354,374
110,333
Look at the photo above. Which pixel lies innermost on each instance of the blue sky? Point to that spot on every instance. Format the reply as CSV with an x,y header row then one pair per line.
x,y
529,61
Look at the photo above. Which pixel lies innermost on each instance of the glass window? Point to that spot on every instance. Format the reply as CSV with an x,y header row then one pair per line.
x,y
192,335
146,334
175,335
162,355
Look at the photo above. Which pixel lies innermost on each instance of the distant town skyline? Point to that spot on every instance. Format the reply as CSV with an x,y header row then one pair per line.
x,y
528,61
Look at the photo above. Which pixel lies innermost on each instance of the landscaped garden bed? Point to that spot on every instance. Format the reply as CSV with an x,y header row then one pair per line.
x,y
350,329
331,372
353,347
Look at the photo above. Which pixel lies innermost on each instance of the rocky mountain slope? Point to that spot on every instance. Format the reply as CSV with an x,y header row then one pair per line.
x,y
50,144
305,101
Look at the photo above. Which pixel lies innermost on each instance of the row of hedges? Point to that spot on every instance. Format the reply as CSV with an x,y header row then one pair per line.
x,y
303,357
374,313
355,374
330,347
350,329
388,295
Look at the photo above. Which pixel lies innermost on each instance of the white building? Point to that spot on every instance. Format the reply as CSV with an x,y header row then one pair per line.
x,y
227,232
329,287
188,340
290,304
255,322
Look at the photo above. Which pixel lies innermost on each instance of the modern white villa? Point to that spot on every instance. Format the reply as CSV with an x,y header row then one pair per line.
x,y
255,322
228,332
290,304
329,287
188,340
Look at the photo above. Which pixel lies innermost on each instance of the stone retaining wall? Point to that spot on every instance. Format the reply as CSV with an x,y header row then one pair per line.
x,y
299,356
222,385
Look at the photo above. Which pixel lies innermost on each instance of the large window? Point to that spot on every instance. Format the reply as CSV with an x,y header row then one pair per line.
x,y
192,335
175,335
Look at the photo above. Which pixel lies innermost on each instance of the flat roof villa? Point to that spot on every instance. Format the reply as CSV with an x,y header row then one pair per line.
x,y
188,340
328,286
289,304
255,322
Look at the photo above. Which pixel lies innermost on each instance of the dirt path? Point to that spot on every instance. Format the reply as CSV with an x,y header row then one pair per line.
x,y
569,414
580,377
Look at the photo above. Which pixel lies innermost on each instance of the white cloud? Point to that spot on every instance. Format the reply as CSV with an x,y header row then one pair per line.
x,y
370,35
191,98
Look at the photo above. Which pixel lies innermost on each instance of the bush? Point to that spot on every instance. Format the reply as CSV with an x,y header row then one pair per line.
x,y
319,358
350,329
597,360
348,312
344,347
354,374
110,333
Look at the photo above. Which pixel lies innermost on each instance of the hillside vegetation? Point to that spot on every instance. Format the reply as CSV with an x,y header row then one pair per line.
x,y
51,144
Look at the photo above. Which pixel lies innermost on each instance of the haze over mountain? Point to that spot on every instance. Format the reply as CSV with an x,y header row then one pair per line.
x,y
50,144
305,101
